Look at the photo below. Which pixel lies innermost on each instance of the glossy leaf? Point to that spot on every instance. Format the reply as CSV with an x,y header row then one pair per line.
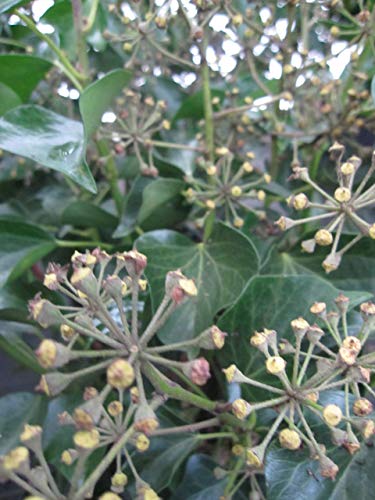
x,y
221,268
12,343
85,214
21,246
8,99
16,410
6,5
22,73
159,193
49,139
97,97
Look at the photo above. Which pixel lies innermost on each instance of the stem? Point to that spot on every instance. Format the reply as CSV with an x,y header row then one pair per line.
x,y
208,113
305,363
111,174
67,67
296,360
187,428
152,326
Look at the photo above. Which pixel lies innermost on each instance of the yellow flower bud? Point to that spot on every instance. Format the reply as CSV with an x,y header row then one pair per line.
x,y
109,496
238,222
362,407
312,396
142,442
188,287
288,69
120,374
86,440
347,168
46,353
119,480
323,237
261,195
371,231
247,166
275,365
332,414
210,204
335,31
230,372
222,151
67,332
289,439
352,343
300,201
211,170
342,194
241,408
237,19
66,457
236,191
166,124
30,433
238,450
253,458
115,408
267,178
13,460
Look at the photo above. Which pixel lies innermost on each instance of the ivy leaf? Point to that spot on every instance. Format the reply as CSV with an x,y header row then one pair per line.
x,y
273,302
221,268
16,410
193,106
8,99
6,5
12,343
49,139
85,214
97,97
157,194
21,246
22,73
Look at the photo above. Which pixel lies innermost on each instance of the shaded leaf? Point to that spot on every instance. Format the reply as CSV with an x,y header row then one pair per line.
x,y
12,343
85,214
221,268
8,99
158,193
193,106
6,5
49,139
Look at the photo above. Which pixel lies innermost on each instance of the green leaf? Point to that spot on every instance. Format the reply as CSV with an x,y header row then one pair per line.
x,y
49,139
22,73
16,410
221,268
272,302
170,453
8,99
193,106
159,193
21,246
199,481
373,89
97,97
11,342
6,5
85,214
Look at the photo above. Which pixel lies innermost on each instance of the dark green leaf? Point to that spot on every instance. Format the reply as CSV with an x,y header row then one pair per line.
x,y
16,410
21,246
85,214
8,99
11,342
49,139
22,73
158,193
193,106
97,97
221,268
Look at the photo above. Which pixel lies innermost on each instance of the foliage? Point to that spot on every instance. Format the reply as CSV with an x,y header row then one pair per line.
x,y
162,147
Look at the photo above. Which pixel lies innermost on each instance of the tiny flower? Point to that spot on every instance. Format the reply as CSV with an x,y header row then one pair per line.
x,y
145,492
83,279
299,202
241,408
119,480
211,170
289,439
314,333
331,263
134,395
319,308
68,456
255,457
51,354
109,496
86,440
299,326
115,408
230,372
32,437
135,262
332,414
323,237
238,222
53,383
236,191
328,468
16,459
362,407
212,338
275,365
342,194
67,332
342,303
120,374
55,274
142,443
352,444
44,312
198,370
145,419
312,396
238,450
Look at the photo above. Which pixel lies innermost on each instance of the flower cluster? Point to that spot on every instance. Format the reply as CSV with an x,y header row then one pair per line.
x,y
226,188
342,209
304,370
137,121
101,324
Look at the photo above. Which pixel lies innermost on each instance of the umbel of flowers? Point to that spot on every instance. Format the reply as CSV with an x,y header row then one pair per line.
x,y
342,210
100,323
226,188
303,371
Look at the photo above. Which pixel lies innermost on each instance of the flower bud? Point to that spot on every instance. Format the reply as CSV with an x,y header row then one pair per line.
x,y
83,279
53,383
289,439
145,419
119,481
332,414
299,326
331,262
109,496
275,365
299,201
51,354
352,343
44,312
360,374
285,347
120,374
236,191
308,246
312,396
319,309
89,413
342,194
371,231
238,450
367,310
339,436
342,303
114,286
135,262
366,427
336,150
55,274
83,259
239,222
259,340
17,460
134,395
68,456
352,444
362,407
67,332
212,338
232,373
86,440
198,370
115,408
241,408
145,492
32,437
347,168
142,443
255,457
284,223
323,237
314,334
328,468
